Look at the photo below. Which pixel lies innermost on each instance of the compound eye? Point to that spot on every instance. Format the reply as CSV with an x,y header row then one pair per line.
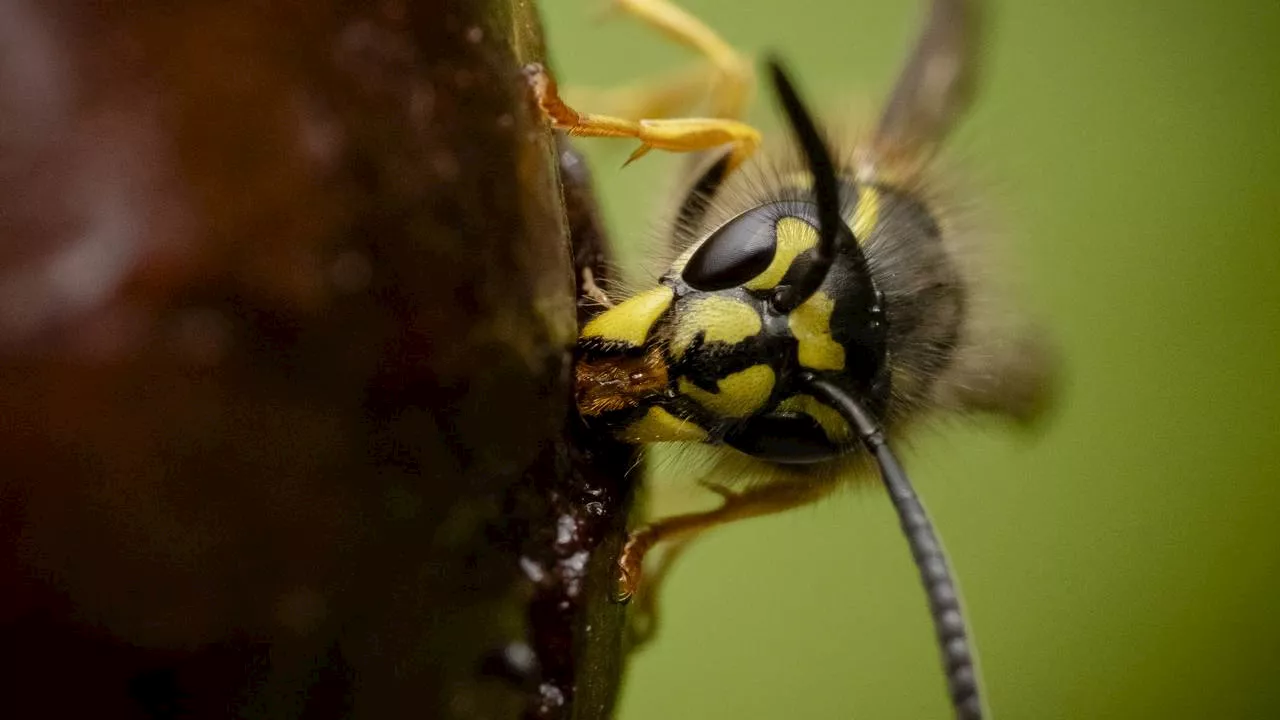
x,y
735,253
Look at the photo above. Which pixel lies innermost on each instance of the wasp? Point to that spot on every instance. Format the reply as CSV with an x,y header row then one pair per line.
x,y
821,304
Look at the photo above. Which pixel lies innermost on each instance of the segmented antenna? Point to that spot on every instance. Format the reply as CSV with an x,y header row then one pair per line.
x,y
935,574
826,191
944,601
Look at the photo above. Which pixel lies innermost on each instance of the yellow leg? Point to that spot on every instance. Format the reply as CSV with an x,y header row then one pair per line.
x,y
675,135
763,500
672,95
733,77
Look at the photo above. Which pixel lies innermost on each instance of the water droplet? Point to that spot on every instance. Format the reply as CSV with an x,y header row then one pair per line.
x,y
533,570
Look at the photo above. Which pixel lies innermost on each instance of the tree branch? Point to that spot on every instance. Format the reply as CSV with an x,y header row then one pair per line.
x,y
286,318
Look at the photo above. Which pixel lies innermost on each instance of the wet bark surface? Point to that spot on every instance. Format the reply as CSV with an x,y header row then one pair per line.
x,y
287,305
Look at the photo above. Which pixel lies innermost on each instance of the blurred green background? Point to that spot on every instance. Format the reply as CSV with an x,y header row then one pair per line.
x,y
1123,564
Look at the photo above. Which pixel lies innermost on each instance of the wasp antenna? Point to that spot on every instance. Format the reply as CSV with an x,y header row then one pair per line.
x,y
826,191
935,573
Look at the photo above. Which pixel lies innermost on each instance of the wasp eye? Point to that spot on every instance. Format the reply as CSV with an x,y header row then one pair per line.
x,y
734,253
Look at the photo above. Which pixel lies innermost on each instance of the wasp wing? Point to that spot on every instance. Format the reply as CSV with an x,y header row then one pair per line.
x,y
936,86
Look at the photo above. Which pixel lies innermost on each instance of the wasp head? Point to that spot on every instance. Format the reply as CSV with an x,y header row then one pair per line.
x,y
724,350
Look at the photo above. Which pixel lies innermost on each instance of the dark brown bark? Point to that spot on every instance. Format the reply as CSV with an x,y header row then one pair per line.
x,y
286,315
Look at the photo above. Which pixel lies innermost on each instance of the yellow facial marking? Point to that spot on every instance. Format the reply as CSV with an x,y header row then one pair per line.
x,y
835,427
867,214
631,320
658,425
740,393
794,237
721,319
811,325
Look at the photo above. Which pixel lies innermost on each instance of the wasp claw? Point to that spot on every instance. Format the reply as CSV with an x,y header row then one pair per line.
x,y
637,154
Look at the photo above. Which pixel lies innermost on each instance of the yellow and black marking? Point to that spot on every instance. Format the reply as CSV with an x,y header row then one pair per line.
x,y
738,395
630,322
706,355
811,325
658,425
714,319
709,345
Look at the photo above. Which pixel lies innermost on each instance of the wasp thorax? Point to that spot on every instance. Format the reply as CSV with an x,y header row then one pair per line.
x,y
710,356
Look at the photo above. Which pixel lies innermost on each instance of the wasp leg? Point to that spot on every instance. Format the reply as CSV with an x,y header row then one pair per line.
x,y
672,95
674,135
731,76
763,500
591,249
643,625
644,617
591,289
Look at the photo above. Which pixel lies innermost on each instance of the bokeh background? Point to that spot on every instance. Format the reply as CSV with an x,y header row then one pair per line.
x,y
1125,563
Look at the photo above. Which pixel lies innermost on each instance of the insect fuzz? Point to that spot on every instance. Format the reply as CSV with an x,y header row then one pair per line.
x,y
710,356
